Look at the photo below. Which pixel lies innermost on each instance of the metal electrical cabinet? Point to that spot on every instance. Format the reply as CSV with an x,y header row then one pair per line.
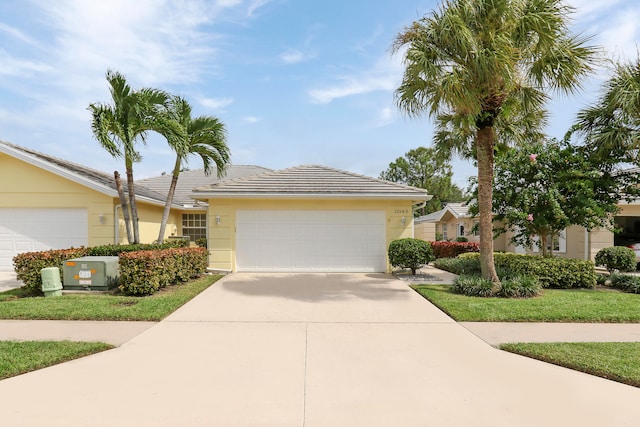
x,y
96,273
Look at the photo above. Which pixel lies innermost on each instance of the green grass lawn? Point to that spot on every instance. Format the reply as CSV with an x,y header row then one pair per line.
x,y
615,361
19,357
13,305
555,305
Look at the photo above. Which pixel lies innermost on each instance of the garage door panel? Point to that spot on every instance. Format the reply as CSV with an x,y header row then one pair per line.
x,y
298,240
29,230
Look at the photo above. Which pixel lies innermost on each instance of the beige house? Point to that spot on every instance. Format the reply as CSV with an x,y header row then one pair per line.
x,y
309,218
454,221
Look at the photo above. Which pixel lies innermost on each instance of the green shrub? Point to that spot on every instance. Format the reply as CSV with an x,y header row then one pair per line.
x,y
460,265
461,239
524,286
473,286
28,265
601,279
616,258
202,242
553,272
115,250
626,283
410,253
145,272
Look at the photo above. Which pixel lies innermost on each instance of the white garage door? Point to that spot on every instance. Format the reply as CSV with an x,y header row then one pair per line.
x,y
28,230
330,241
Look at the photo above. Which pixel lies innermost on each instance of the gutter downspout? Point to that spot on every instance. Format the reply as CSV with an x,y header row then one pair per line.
x,y
587,237
116,224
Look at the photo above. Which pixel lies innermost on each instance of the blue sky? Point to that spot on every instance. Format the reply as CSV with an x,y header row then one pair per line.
x,y
295,81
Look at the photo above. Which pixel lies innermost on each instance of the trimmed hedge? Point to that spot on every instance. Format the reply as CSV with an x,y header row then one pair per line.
x,y
145,272
28,265
453,249
410,253
617,258
552,272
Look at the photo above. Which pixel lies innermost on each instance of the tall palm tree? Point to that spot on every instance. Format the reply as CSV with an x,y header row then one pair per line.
x,y
204,136
479,67
119,126
611,126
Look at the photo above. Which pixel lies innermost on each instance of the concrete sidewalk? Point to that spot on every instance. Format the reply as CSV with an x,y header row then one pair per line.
x,y
312,350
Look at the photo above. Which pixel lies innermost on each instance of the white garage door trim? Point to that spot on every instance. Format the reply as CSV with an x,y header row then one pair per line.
x,y
39,229
310,240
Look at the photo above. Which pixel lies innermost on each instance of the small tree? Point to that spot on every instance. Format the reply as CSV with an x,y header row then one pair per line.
x,y
616,258
410,253
542,188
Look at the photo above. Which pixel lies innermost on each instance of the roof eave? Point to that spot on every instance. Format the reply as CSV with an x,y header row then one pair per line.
x,y
371,196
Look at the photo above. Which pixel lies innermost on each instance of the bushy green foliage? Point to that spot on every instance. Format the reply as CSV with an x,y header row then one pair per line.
x,y
453,249
553,272
460,265
145,272
410,253
616,258
461,239
115,250
522,286
626,283
202,242
473,286
28,265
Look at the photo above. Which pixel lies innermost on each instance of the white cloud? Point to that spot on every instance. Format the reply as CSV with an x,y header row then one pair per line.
x,y
251,119
292,56
216,103
383,76
621,36
16,34
255,5
10,66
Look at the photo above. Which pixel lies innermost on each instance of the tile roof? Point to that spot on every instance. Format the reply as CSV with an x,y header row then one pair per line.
x,y
188,180
458,210
309,181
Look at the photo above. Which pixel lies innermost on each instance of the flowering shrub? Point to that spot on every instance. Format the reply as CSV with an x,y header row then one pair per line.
x,y
453,249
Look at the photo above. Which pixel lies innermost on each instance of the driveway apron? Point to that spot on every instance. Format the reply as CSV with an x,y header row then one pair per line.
x,y
312,350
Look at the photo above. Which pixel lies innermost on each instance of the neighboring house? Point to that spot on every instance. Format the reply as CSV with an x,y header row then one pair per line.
x,y
307,218
455,220
50,203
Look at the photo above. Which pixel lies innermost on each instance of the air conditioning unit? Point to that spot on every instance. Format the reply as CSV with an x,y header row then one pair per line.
x,y
95,273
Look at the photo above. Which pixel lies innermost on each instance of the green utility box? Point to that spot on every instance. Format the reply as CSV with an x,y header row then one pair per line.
x,y
51,284
95,273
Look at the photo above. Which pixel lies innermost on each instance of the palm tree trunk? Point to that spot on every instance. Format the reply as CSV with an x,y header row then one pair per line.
x,y
484,143
124,205
167,205
132,201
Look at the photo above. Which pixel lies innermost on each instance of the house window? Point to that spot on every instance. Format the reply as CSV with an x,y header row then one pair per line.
x,y
194,226
445,232
558,242
460,229
476,228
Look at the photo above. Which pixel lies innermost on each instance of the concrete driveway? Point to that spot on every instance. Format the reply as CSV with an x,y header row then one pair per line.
x,y
312,350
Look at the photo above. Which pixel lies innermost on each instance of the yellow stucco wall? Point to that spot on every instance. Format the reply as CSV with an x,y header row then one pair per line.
x,y
28,186
222,244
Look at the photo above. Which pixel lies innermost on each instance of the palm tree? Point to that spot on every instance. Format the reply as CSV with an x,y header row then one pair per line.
x,y
479,68
611,126
117,128
204,136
